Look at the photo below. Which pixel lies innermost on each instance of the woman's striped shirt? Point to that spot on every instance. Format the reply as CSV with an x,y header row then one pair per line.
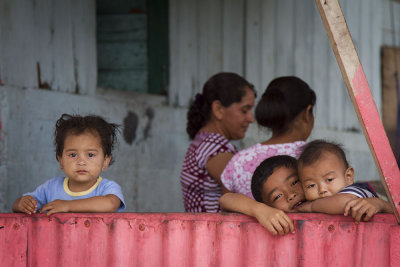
x,y
200,191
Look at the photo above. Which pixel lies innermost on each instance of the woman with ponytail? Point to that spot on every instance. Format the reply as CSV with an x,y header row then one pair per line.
x,y
286,108
220,114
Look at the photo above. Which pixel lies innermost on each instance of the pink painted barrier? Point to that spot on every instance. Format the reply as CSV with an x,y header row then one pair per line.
x,y
184,239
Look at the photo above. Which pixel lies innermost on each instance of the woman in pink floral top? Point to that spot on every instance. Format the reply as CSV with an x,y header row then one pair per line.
x,y
286,109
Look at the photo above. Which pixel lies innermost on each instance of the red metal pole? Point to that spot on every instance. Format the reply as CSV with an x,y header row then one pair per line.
x,y
361,97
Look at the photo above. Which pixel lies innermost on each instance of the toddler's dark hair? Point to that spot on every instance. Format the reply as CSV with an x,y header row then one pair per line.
x,y
312,152
76,125
226,87
265,170
282,101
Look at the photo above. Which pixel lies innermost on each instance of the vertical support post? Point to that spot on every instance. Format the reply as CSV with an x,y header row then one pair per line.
x,y
361,97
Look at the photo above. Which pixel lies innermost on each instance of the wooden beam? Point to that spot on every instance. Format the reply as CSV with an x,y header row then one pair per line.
x,y
361,97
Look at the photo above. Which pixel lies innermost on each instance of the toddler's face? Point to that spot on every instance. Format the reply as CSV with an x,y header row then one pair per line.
x,y
326,177
282,190
83,160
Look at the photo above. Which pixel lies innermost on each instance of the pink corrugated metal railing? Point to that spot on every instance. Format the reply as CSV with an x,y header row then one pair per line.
x,y
179,239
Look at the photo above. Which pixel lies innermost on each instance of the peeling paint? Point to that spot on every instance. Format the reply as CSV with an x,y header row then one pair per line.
x,y
300,224
75,60
150,116
131,122
41,85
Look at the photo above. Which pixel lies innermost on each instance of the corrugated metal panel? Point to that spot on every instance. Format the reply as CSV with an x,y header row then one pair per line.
x,y
132,239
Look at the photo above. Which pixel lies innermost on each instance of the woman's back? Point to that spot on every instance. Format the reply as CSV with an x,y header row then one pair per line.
x,y
286,109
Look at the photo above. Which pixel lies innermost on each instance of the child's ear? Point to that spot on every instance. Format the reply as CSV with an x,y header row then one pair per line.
x,y
106,163
349,176
60,161
217,109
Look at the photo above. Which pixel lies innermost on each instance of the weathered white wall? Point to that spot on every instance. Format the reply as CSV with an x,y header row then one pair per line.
x,y
148,169
56,37
263,39
259,39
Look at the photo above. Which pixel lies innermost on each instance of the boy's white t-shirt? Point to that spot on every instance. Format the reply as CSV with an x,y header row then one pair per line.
x,y
57,188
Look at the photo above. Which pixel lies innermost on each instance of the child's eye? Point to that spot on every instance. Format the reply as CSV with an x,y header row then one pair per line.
x,y
330,179
294,182
310,186
91,155
277,197
72,155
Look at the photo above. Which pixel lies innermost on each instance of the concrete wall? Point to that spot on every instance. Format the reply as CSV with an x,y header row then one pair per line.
x,y
147,169
3,154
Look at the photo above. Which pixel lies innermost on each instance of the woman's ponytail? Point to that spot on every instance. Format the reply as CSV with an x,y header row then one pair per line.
x,y
196,116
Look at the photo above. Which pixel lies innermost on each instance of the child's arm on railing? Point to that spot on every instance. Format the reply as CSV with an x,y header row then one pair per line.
x,y
368,206
347,204
26,204
108,203
276,221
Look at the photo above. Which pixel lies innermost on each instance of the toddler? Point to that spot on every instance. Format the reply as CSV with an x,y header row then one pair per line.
x,y
327,181
83,149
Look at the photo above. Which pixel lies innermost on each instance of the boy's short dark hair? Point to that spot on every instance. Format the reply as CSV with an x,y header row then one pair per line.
x,y
76,124
265,170
312,152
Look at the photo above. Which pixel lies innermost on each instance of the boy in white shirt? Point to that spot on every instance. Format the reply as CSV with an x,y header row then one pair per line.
x,y
328,184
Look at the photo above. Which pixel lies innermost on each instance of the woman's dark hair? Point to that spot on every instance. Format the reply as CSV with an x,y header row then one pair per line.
x,y
266,169
282,101
76,125
226,87
312,152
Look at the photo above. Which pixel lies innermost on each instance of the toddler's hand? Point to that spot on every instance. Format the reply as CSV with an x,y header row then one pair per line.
x,y
27,204
55,206
276,221
362,206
